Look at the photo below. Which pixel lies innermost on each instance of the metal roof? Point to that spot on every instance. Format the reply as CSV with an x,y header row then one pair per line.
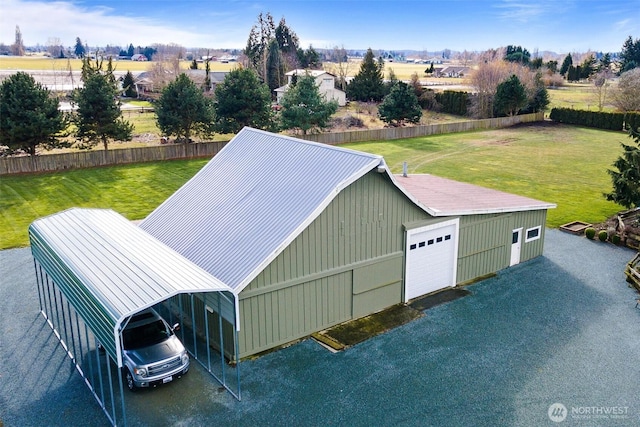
x,y
445,197
252,199
109,268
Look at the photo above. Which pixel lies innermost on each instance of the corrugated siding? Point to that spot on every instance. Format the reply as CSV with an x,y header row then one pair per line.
x,y
361,228
281,316
485,241
109,269
483,246
528,220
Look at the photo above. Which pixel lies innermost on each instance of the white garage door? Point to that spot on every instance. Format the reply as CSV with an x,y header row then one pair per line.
x,y
432,253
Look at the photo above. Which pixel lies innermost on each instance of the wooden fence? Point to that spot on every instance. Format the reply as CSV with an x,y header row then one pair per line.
x,y
118,156
89,159
417,131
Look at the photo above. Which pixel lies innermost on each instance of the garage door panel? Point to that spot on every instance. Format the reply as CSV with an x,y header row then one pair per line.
x,y
431,258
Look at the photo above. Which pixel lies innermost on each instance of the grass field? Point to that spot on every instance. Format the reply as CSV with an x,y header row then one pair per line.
x,y
55,64
555,163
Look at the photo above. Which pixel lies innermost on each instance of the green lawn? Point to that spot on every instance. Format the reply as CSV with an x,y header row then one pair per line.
x,y
579,96
555,163
132,190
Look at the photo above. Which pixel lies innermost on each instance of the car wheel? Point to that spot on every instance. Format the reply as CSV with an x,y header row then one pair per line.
x,y
128,378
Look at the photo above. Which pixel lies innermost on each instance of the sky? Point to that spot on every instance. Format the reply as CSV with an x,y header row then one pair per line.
x,y
560,26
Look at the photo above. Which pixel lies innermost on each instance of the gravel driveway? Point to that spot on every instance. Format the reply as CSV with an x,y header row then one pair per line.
x,y
557,335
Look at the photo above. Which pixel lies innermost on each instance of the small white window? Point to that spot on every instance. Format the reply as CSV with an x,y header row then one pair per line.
x,y
532,234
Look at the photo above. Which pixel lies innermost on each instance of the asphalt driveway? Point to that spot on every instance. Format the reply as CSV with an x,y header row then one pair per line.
x,y
557,333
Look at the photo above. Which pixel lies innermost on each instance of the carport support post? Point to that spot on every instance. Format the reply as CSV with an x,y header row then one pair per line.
x,y
206,329
38,280
193,327
224,377
124,412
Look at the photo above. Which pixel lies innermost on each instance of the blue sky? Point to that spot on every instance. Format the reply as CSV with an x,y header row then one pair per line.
x,y
555,25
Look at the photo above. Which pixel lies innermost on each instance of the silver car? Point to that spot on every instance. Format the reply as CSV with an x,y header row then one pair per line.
x,y
152,353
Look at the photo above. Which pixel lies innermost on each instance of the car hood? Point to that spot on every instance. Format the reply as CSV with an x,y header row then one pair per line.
x,y
171,347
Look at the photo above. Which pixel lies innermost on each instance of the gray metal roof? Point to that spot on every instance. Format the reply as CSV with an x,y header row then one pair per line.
x,y
109,269
252,199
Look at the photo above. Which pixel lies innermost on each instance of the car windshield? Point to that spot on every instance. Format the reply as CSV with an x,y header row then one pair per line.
x,y
145,335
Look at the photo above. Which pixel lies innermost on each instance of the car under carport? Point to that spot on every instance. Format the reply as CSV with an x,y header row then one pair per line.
x,y
95,270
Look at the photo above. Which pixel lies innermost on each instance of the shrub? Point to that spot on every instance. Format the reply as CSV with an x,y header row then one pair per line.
x,y
352,121
590,233
603,235
615,239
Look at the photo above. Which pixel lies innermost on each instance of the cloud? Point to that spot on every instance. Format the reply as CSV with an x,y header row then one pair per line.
x,y
525,12
97,26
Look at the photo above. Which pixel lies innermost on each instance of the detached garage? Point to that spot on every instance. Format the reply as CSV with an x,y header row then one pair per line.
x,y
309,235
475,231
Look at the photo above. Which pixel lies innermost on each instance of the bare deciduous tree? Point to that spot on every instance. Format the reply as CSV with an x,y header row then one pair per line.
x,y
626,97
601,86
340,66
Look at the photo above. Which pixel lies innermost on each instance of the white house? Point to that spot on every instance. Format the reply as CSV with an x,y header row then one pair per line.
x,y
325,81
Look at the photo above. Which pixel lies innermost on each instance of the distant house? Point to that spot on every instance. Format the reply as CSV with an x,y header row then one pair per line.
x,y
144,82
326,85
138,57
453,72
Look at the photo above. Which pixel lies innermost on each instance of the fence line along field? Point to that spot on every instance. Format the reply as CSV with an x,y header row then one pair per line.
x,y
556,163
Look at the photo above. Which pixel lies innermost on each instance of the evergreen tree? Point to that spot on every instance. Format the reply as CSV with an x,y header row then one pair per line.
x,y
309,59
391,82
588,67
605,62
79,49
568,62
510,97
182,110
29,116
517,54
626,179
368,84
630,55
128,85
194,65
287,41
98,117
258,42
304,108
276,67
400,105
539,100
130,51
241,100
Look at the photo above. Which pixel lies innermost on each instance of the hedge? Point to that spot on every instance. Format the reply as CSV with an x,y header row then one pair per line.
x,y
594,119
453,102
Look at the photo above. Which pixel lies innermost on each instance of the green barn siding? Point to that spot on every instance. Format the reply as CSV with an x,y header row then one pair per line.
x,y
376,285
526,220
482,245
278,317
485,242
362,226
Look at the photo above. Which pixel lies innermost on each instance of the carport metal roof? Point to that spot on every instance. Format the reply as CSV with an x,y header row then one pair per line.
x,y
109,269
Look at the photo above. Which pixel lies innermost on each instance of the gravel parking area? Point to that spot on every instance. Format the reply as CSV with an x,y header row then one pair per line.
x,y
558,333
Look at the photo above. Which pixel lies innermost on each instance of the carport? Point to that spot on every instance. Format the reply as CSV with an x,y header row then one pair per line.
x,y
95,269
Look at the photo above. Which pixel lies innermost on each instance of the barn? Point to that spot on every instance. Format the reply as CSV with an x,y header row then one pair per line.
x,y
307,235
